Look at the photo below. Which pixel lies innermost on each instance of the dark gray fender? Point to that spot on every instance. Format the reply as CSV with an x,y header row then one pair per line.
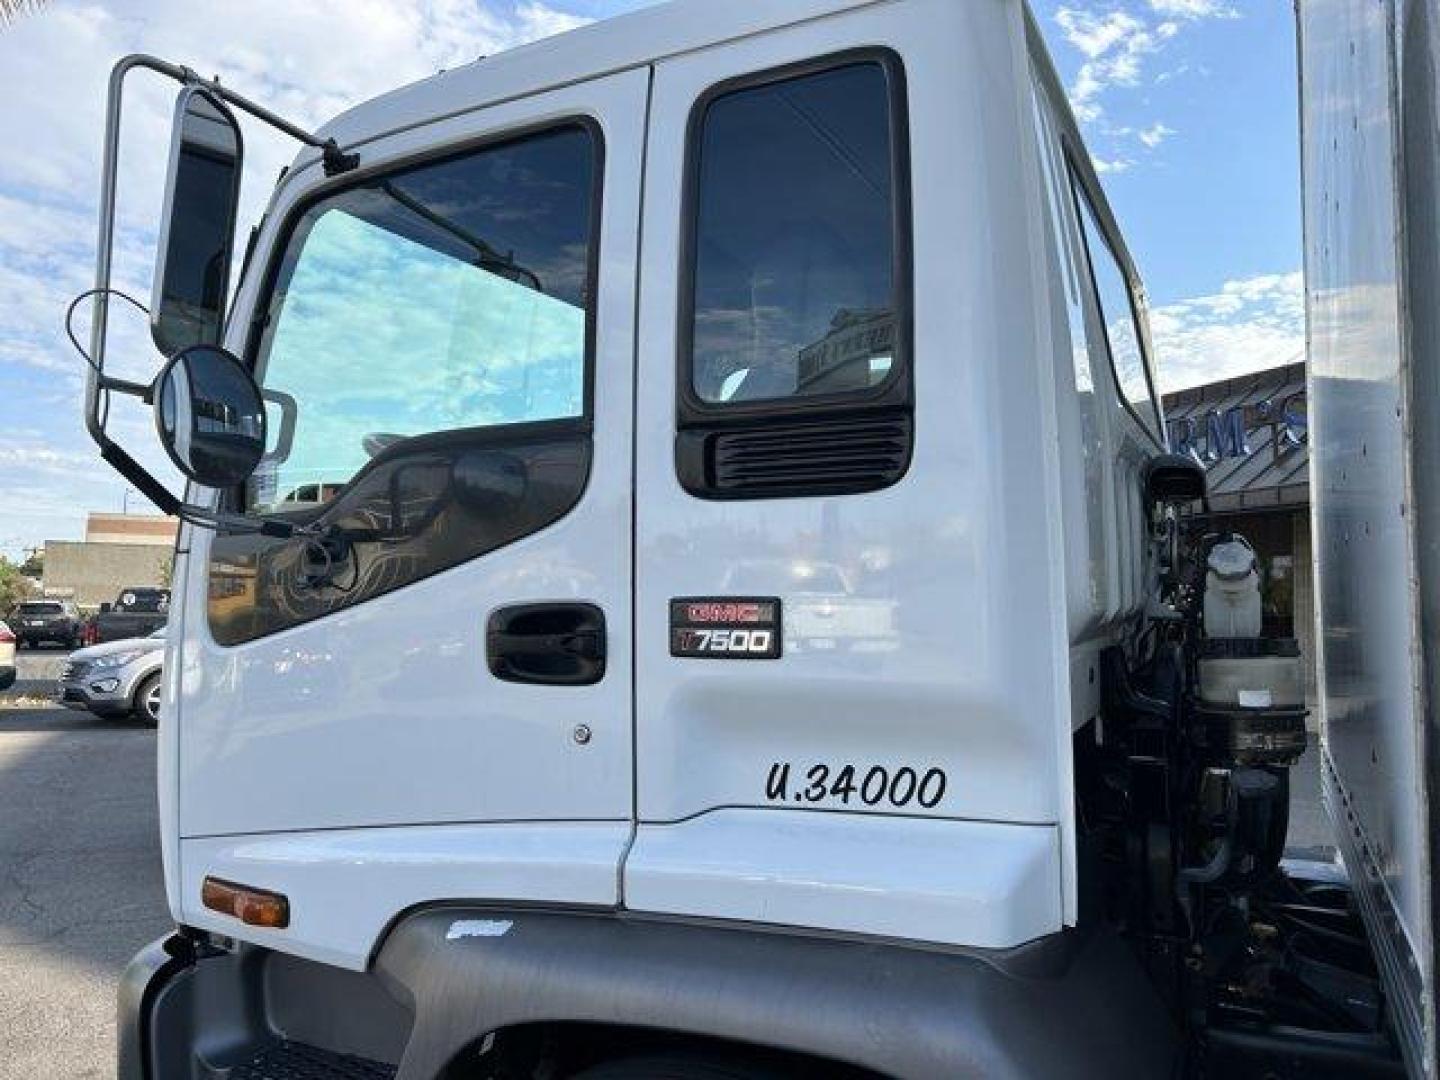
x,y
1069,1006
145,976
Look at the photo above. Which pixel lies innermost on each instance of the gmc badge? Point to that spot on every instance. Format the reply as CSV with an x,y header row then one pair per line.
x,y
725,627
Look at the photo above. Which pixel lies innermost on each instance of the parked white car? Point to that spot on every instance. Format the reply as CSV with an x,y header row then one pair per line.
x,y
118,678
7,657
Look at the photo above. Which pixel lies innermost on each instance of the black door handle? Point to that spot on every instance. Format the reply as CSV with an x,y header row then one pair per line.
x,y
560,644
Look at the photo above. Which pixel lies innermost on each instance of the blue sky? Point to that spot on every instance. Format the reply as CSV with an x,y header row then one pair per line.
x,y
1188,106
1217,197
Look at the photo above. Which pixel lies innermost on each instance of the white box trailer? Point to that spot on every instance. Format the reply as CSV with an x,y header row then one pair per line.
x,y
682,577
1370,105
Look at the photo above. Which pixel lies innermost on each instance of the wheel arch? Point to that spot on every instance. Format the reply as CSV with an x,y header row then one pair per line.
x,y
1071,1005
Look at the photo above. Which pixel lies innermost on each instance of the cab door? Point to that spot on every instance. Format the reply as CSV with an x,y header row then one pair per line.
x,y
448,640
849,685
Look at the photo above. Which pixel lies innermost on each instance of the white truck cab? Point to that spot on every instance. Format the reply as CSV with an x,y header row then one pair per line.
x,y
680,579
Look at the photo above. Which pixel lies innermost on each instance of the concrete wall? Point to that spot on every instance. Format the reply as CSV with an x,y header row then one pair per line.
x,y
92,574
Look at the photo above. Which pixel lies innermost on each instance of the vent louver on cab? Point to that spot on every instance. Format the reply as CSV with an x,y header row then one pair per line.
x,y
835,457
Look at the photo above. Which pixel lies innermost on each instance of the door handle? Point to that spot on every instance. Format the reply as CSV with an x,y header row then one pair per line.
x,y
559,644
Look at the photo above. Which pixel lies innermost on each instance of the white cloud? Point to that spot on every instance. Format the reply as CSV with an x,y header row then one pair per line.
x,y
537,21
1116,46
1248,325
1096,34
1155,134
1194,9
307,61
1111,165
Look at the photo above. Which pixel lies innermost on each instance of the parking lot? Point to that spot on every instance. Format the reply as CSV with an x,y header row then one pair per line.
x,y
82,887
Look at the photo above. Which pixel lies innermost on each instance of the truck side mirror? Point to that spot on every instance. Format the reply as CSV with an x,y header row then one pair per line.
x,y
1174,479
210,416
197,224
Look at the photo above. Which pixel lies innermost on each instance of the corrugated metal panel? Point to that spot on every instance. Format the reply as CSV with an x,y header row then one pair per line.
x,y
1275,472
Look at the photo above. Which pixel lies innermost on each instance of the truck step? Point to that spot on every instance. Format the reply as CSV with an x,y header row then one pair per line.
x,y
296,1061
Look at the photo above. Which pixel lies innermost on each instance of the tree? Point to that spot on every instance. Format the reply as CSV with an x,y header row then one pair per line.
x,y
14,586
34,564
167,570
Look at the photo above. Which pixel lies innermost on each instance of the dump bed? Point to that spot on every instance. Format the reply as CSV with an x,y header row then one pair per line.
x,y
1368,118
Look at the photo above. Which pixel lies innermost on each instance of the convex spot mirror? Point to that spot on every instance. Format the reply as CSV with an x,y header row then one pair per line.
x,y
197,224
210,416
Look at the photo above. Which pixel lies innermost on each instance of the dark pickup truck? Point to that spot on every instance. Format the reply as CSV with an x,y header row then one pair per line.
x,y
135,613
36,621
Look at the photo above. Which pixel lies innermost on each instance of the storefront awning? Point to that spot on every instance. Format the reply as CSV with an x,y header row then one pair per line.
x,y
1250,433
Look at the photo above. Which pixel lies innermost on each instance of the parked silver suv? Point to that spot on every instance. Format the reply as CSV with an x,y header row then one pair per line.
x,y
118,678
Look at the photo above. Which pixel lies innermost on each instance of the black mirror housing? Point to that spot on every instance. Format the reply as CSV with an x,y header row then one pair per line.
x,y
210,416
1173,480
197,223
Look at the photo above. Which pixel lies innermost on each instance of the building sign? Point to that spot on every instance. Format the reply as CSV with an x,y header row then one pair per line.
x,y
1215,435
846,358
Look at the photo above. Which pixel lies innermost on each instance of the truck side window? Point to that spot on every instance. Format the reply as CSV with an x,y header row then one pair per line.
x,y
448,296
797,297
1118,310
426,351
794,278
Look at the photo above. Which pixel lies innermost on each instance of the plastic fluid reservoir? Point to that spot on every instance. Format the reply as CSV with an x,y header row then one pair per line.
x,y
1252,674
1232,591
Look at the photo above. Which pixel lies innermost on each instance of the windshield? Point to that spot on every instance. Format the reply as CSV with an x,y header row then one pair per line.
x,y
41,609
447,296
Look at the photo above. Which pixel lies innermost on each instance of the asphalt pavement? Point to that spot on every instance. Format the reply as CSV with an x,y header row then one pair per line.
x,y
80,880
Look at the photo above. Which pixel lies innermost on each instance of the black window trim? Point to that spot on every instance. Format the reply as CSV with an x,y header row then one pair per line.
x,y
895,391
1079,187
530,429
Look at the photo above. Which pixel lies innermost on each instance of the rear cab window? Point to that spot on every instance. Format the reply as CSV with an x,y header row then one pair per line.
x,y
1119,312
797,298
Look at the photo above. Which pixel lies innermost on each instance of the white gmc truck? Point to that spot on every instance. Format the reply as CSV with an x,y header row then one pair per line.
x,y
682,578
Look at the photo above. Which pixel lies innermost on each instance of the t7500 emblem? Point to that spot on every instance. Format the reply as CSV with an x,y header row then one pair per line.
x,y
725,628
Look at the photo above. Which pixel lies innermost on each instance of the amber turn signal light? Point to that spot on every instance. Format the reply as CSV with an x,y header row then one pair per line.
x,y
254,907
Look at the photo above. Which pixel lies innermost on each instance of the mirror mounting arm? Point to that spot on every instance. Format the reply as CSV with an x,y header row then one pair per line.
x,y
99,384
333,160
124,386
132,470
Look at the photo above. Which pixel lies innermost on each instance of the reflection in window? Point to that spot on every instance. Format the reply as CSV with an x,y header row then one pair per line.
x,y
794,239
1117,307
448,296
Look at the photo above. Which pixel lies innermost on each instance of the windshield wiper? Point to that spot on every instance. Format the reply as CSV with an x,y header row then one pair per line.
x,y
487,257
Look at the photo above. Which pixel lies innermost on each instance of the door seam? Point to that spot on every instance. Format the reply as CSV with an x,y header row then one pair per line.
x,y
634,501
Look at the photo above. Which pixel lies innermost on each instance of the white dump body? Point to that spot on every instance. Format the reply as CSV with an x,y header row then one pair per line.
x,y
1369,111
